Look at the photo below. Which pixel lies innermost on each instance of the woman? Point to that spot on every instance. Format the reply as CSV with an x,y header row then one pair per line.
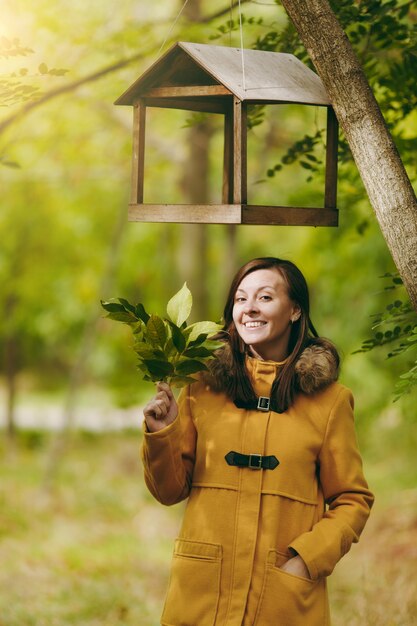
x,y
264,448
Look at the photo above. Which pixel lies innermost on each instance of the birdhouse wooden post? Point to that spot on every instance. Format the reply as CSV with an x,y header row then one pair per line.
x,y
217,79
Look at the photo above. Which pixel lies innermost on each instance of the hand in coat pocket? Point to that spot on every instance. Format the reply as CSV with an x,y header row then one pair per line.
x,y
296,566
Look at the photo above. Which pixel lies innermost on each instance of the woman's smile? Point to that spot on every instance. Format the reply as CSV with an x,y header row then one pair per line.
x,y
254,324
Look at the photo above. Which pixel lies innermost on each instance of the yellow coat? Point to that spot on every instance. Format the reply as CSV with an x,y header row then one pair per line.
x,y
240,523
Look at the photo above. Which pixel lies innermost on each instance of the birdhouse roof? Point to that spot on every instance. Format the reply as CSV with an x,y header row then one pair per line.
x,y
251,75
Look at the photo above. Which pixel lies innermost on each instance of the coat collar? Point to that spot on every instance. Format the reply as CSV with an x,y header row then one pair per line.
x,y
316,368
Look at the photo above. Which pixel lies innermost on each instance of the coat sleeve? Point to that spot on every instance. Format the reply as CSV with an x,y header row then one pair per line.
x,y
345,491
168,455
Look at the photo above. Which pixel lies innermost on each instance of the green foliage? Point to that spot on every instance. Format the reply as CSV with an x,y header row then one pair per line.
x,y
168,349
21,84
302,151
179,307
233,26
12,48
396,326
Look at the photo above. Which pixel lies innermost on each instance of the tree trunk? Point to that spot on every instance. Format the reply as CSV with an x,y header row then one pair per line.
x,y
11,369
377,159
194,241
229,257
79,367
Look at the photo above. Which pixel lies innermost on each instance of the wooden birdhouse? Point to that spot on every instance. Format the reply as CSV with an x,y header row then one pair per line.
x,y
217,79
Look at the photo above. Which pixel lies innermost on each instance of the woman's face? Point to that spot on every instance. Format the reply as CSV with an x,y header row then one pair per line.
x,y
263,312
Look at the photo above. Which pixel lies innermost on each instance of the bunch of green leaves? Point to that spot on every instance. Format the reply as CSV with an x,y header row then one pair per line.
x,y
396,326
167,348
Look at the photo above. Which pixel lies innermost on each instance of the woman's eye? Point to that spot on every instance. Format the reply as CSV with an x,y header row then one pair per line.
x,y
266,298
241,299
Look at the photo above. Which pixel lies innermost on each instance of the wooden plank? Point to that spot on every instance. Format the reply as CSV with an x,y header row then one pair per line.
x,y
266,102
215,105
239,152
289,216
138,152
244,156
233,214
332,136
188,91
186,213
227,189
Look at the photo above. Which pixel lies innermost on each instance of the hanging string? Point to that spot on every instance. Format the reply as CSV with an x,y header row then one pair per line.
x,y
241,49
230,35
172,27
230,23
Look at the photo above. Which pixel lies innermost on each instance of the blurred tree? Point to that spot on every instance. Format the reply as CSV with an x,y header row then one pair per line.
x,y
194,184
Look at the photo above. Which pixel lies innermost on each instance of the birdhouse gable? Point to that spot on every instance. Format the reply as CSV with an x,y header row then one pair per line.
x,y
174,69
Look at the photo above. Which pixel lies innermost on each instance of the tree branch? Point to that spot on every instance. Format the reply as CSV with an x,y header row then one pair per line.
x,y
59,91
213,16
69,87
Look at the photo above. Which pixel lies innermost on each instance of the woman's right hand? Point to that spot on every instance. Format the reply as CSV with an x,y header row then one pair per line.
x,y
162,410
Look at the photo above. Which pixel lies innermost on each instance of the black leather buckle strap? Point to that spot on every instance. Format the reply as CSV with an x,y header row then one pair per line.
x,y
262,403
253,461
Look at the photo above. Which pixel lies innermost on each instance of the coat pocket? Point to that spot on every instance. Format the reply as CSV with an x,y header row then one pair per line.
x,y
194,585
289,599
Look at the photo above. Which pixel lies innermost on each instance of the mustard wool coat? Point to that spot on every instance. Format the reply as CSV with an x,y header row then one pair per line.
x,y
241,524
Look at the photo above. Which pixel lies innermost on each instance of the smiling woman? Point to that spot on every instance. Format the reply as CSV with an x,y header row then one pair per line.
x,y
264,448
263,313
277,297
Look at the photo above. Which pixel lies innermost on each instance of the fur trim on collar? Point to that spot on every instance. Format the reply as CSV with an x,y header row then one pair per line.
x,y
316,368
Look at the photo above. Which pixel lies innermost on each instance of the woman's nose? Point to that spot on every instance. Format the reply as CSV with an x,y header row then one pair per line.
x,y
251,306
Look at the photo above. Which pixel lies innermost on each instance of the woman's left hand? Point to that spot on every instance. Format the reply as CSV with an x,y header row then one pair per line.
x,y
296,566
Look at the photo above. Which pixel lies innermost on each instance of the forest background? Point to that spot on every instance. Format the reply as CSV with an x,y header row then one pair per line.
x,y
80,540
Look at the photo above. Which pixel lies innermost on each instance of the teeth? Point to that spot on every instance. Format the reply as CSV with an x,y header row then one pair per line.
x,y
254,324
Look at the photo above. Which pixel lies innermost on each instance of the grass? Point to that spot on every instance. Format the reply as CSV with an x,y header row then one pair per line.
x,y
94,550
91,551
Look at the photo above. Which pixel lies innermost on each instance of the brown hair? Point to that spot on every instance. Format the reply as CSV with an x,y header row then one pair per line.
x,y
303,333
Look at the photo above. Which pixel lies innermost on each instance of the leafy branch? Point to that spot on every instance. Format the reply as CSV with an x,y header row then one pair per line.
x,y
397,326
167,348
303,152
